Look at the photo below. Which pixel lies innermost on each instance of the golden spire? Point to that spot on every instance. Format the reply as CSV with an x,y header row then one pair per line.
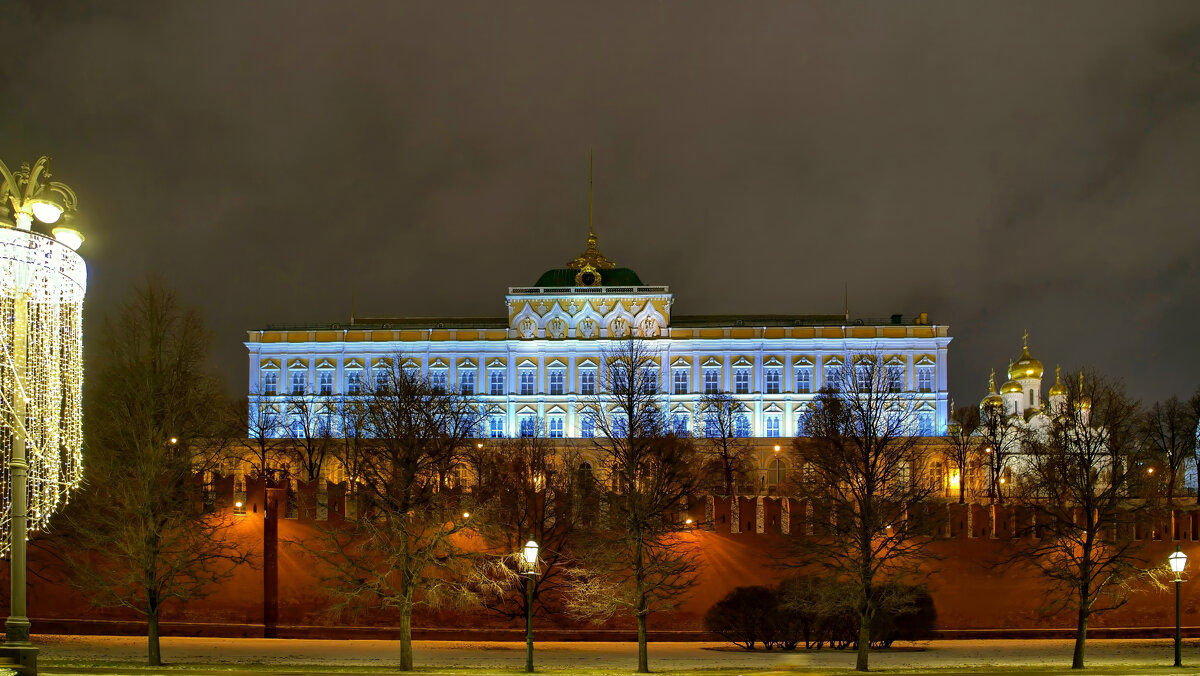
x,y
591,256
992,382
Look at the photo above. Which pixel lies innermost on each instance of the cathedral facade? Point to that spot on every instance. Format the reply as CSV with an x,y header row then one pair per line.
x,y
534,368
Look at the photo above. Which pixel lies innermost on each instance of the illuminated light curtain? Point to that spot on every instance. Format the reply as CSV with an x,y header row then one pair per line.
x,y
42,284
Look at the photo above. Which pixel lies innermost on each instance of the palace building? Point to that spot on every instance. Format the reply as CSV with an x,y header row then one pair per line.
x,y
535,366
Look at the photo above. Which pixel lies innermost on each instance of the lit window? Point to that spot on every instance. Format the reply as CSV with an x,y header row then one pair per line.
x,y
804,379
496,426
649,382
712,425
299,382
557,425
495,382
895,377
354,382
558,381
774,380
587,381
741,425
924,378
712,381
270,383
772,425
466,381
527,377
587,425
741,381
437,379
620,426
862,377
680,381
325,382
528,425
381,380
833,376
680,426
925,424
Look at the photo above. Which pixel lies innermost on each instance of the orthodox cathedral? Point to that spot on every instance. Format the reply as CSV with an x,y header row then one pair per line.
x,y
534,367
1021,397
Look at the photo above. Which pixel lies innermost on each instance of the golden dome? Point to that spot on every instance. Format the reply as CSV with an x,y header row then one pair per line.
x,y
1026,366
1059,390
992,399
1012,387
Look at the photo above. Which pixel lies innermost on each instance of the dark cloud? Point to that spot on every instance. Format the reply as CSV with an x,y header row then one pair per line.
x,y
1002,166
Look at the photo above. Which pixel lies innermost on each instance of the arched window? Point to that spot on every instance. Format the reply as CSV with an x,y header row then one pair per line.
x,y
776,474
585,475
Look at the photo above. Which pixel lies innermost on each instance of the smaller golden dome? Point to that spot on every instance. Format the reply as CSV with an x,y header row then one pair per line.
x,y
1012,387
1026,366
992,399
1059,390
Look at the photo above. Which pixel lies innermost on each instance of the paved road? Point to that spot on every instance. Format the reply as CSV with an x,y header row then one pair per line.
x,y
615,656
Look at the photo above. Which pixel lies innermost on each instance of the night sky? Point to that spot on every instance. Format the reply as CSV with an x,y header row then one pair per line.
x,y
1001,166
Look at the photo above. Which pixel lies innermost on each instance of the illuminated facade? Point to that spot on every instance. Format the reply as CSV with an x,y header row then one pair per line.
x,y
536,367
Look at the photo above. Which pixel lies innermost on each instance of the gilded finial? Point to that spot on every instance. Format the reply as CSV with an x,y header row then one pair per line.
x,y
1025,340
992,382
591,256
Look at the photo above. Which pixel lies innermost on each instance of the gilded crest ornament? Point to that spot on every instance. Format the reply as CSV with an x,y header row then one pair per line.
x,y
587,276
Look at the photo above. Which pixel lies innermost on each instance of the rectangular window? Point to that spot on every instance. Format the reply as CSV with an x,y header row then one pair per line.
x,y
712,381
270,383
587,425
299,382
354,382
712,425
803,379
558,381
895,377
496,426
527,377
774,380
925,424
381,380
833,376
587,381
862,377
466,381
557,425
679,425
741,425
495,382
528,425
437,380
772,426
649,382
325,382
679,379
620,426
741,381
924,378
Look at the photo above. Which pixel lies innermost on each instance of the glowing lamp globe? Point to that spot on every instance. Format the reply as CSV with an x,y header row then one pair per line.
x,y
530,553
46,206
69,236
42,284
1177,561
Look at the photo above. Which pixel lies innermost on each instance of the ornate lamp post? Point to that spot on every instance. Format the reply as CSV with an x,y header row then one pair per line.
x,y
1177,561
42,284
529,566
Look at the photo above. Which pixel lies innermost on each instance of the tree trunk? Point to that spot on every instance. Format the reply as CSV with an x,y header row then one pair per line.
x,y
864,642
406,661
1080,640
154,654
643,659
962,488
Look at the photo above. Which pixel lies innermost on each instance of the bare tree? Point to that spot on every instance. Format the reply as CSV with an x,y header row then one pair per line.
x,y
353,422
1169,428
309,431
861,461
637,562
254,433
729,454
1078,478
137,534
1001,439
529,494
963,440
404,550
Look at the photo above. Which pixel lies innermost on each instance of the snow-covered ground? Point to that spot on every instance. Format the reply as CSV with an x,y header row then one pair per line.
x,y
509,655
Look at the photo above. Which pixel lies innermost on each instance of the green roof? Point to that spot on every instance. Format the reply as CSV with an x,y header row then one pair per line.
x,y
612,277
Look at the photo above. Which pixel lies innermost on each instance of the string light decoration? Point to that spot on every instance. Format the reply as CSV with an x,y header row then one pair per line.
x,y
42,285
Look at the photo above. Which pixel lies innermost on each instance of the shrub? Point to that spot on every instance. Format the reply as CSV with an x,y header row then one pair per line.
x,y
744,617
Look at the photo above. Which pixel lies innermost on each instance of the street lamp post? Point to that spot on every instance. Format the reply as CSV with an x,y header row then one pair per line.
x,y
1177,562
529,565
42,284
